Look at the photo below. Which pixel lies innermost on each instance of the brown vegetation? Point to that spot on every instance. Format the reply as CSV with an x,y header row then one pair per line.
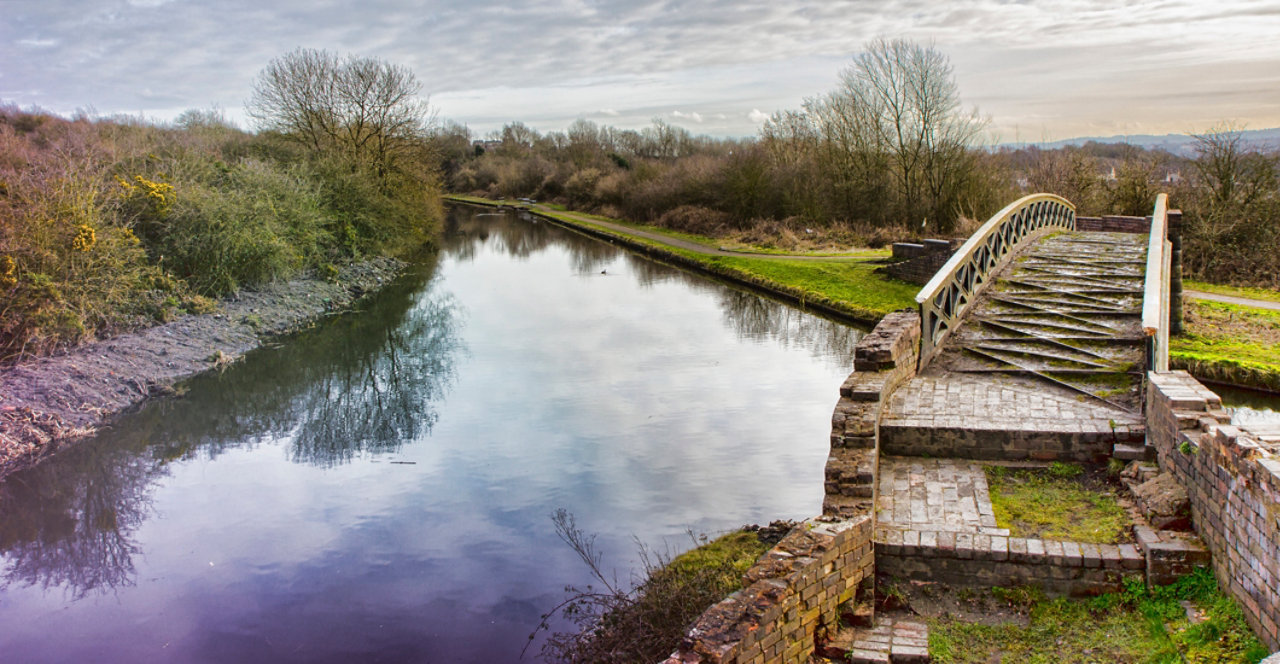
x,y
118,223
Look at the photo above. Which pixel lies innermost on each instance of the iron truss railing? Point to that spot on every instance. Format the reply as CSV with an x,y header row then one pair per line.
x,y
1155,290
954,288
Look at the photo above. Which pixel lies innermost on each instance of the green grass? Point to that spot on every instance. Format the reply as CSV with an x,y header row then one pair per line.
x,y
1230,343
1238,291
1059,632
1053,504
731,554
1137,625
851,284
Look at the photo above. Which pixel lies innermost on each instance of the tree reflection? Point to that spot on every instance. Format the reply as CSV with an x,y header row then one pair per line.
x,y
520,236
365,382
756,317
69,523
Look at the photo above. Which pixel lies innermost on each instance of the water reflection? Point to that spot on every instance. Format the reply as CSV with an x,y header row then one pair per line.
x,y
70,524
258,518
1249,406
363,383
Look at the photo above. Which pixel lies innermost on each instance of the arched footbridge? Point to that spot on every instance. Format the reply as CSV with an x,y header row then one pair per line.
x,y
1035,339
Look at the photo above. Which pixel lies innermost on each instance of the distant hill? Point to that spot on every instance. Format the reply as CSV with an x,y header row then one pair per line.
x,y
1179,144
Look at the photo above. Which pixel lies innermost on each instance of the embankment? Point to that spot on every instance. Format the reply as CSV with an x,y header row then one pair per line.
x,y
50,402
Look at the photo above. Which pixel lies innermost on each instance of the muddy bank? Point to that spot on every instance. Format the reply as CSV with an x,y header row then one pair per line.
x,y
50,402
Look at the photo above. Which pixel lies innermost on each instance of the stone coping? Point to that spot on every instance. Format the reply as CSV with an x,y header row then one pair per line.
x,y
997,548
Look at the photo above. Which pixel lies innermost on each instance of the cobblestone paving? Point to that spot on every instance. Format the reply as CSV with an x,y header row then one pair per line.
x,y
941,495
999,401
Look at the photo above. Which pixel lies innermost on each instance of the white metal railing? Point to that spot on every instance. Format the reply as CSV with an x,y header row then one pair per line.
x,y
948,296
1155,290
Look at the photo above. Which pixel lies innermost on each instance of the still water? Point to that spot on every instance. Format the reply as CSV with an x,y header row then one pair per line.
x,y
379,488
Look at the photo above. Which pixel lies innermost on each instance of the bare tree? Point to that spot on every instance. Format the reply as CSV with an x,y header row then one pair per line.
x,y
898,112
1232,174
363,109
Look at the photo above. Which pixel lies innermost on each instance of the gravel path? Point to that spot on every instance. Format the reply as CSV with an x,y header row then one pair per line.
x,y
1232,299
49,402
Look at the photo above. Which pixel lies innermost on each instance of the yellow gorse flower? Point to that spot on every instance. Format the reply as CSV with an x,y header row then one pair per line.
x,y
85,238
8,270
161,191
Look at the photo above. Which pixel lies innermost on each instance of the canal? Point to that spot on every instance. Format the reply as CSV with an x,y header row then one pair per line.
x,y
379,488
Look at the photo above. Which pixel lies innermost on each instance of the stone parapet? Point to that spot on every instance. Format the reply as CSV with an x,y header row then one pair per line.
x,y
1232,478
790,600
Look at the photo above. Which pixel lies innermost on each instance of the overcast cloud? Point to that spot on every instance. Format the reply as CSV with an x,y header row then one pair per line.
x,y
1041,69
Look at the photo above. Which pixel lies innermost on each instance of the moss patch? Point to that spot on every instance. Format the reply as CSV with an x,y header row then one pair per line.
x,y
1230,343
1054,503
729,555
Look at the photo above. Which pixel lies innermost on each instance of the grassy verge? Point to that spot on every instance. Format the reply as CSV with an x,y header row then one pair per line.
x,y
1230,343
1238,291
1189,621
1054,503
843,287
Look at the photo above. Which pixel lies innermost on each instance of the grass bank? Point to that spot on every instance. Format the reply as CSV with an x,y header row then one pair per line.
x,y
843,286
1230,343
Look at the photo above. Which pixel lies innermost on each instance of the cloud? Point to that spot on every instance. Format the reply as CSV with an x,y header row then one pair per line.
x,y
695,116
1020,62
609,112
757,116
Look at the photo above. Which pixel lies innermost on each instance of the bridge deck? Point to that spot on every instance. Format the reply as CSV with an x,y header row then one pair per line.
x,y
1048,364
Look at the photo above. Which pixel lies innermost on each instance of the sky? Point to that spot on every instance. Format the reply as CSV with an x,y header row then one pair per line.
x,y
1040,70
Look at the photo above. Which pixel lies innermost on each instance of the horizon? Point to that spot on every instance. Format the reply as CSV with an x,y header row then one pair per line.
x,y
1040,71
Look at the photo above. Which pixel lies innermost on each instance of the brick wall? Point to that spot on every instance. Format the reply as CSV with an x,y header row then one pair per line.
x,y
883,360
963,559
1233,481
1002,444
790,600
921,262
1114,224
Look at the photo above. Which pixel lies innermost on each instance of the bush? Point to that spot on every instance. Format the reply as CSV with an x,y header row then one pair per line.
x,y
110,225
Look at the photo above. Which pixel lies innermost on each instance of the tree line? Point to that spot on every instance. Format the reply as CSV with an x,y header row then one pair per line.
x,y
889,154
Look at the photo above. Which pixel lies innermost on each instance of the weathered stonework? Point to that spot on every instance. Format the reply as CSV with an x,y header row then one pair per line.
x,y
1233,481
919,262
790,601
1114,224
975,560
883,360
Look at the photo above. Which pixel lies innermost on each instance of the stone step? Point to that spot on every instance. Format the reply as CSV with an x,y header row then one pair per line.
x,y
1132,452
890,641
1170,554
1064,441
976,560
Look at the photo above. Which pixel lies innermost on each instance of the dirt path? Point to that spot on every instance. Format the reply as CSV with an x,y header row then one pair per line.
x,y
49,402
1232,299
